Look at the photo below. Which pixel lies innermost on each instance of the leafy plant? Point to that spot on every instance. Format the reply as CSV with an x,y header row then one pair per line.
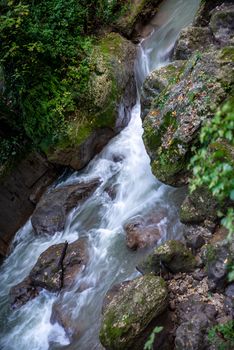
x,y
222,335
213,163
150,342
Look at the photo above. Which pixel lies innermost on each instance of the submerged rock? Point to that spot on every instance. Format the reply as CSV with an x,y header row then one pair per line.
x,y
51,211
131,310
55,270
172,256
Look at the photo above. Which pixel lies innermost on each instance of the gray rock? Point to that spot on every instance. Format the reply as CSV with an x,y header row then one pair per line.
x,y
195,320
222,24
51,211
196,236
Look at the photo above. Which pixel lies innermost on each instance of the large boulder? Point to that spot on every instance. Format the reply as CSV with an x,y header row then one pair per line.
x,y
55,271
131,310
51,211
172,256
104,110
144,231
171,127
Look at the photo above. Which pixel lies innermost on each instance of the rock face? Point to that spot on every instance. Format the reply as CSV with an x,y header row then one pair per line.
x,y
172,257
196,318
222,24
55,270
20,189
128,314
136,14
51,211
105,108
190,95
142,232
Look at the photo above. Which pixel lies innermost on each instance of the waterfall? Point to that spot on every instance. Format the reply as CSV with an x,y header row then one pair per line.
x,y
125,166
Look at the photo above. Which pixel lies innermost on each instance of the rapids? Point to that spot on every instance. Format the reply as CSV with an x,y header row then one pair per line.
x,y
125,166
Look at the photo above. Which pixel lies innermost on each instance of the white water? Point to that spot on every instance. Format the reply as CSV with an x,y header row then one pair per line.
x,y
101,219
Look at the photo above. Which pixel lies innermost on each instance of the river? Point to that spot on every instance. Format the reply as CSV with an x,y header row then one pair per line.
x,y
125,166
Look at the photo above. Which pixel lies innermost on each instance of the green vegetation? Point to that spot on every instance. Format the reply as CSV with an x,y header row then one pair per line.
x,y
45,65
222,335
213,163
150,342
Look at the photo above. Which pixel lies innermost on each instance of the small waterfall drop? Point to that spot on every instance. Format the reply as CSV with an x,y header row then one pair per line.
x,y
125,166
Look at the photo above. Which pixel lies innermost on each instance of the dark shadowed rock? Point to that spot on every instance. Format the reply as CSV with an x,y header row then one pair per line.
x,y
50,213
140,235
131,310
55,270
191,39
222,24
172,256
22,293
195,321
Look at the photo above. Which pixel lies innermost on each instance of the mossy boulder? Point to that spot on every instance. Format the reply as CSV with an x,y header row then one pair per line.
x,y
131,310
198,206
172,256
172,125
191,39
97,118
135,14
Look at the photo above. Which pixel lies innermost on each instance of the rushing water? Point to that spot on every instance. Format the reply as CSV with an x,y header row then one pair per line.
x,y
125,166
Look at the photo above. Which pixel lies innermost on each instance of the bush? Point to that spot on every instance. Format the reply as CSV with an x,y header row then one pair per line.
x,y
45,49
213,163
222,335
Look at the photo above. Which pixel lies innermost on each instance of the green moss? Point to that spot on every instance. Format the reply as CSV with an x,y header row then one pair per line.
x,y
227,54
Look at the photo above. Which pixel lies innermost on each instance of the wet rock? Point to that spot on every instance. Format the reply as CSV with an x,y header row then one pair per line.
x,y
55,270
171,257
196,318
222,24
196,236
75,261
105,108
140,233
130,312
203,15
51,211
172,125
198,206
191,39
47,272
22,293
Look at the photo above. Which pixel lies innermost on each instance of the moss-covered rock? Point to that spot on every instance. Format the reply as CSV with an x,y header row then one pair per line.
x,y
136,13
172,256
129,313
198,206
97,118
191,39
171,127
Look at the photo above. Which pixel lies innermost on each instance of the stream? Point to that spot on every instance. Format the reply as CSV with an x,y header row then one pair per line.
x,y
125,166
